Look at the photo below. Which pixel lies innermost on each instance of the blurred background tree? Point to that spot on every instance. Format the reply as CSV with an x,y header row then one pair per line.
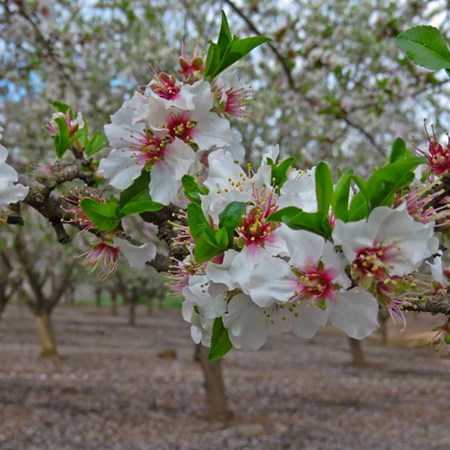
x,y
332,84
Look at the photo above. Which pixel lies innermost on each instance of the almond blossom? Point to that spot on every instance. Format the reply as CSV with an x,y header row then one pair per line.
x,y
199,125
383,250
10,190
104,256
313,278
136,147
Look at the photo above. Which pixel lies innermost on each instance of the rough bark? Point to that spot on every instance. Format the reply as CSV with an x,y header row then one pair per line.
x,y
45,333
216,398
132,312
358,359
113,304
149,306
383,317
98,296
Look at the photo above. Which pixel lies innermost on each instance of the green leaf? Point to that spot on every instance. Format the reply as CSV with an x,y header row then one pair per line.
x,y
426,47
399,151
140,204
231,216
238,49
359,208
225,36
297,219
139,185
62,139
280,171
220,342
386,181
228,50
98,142
206,246
212,60
341,195
446,339
106,216
60,106
192,189
197,220
222,238
324,188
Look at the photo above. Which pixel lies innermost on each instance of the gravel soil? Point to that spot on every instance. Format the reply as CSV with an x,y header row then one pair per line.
x,y
112,388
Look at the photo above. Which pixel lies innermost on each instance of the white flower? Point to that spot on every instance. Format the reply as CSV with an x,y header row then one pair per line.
x,y
136,148
312,287
208,297
388,243
170,92
197,126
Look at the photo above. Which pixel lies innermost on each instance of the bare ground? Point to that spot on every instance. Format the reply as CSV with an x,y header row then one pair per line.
x,y
111,390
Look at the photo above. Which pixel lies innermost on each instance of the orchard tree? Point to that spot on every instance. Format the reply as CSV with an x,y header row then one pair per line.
x,y
254,250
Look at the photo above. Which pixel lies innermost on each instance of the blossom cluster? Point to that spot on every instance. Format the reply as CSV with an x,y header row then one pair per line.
x,y
277,249
275,279
170,126
264,251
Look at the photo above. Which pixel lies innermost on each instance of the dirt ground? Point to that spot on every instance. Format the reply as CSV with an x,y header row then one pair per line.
x,y
110,390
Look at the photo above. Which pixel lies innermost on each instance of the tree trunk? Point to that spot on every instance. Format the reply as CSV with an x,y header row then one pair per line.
x,y
98,298
45,333
383,317
150,306
114,305
132,312
3,303
216,398
358,359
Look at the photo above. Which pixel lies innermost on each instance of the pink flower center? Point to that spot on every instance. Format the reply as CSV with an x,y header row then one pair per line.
x,y
150,148
438,158
103,257
316,282
373,261
236,102
165,86
255,229
182,127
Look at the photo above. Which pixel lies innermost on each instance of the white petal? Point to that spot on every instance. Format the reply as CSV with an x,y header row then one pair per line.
x,y
210,298
306,318
355,312
336,262
413,240
437,272
212,131
13,194
203,98
220,273
300,192
248,327
121,168
8,175
3,153
243,264
166,174
136,256
269,282
305,247
352,236
121,129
